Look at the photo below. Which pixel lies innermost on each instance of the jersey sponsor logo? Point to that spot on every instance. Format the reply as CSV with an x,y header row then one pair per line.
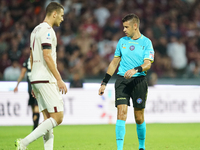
x,y
133,42
139,100
132,47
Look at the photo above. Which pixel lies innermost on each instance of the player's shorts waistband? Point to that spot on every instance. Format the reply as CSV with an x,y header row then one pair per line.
x,y
35,82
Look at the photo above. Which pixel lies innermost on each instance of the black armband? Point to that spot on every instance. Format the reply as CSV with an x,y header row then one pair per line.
x,y
139,69
46,46
106,79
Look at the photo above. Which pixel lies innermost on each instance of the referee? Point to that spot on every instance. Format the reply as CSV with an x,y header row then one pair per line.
x,y
134,54
32,101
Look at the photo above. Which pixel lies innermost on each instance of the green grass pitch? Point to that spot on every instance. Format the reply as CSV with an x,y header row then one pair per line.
x,y
184,136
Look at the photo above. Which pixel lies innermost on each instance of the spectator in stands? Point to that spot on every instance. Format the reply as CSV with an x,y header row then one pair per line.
x,y
94,65
158,28
84,40
71,47
12,72
101,13
17,9
163,65
76,81
68,34
173,30
193,51
3,7
6,22
25,55
3,44
110,29
84,27
4,63
14,52
62,69
176,50
90,26
152,78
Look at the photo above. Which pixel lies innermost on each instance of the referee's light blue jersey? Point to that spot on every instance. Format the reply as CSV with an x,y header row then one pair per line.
x,y
133,53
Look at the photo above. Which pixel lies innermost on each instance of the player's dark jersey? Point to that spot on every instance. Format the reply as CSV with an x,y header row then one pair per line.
x,y
27,65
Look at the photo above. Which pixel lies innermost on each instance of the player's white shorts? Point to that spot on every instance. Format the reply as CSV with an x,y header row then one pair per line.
x,y
48,97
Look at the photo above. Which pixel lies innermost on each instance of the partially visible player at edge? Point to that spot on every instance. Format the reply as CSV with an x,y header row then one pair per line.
x,y
32,101
135,54
46,81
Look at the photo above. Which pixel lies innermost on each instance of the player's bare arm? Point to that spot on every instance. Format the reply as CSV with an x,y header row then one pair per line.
x,y
23,72
113,65
111,69
145,66
50,63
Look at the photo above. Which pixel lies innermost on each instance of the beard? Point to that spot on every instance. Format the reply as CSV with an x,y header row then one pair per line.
x,y
56,24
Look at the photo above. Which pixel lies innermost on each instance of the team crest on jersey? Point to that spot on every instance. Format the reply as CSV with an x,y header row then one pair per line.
x,y
132,47
48,36
139,100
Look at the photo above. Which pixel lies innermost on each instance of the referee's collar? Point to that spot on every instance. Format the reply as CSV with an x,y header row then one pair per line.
x,y
137,38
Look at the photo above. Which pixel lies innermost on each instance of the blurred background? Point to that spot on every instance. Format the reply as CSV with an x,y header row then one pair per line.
x,y
86,44
91,29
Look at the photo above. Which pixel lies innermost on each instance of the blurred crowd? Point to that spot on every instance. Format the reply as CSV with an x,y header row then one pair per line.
x,y
91,29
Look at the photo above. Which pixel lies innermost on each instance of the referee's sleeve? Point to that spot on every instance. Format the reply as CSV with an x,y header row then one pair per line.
x,y
149,51
118,50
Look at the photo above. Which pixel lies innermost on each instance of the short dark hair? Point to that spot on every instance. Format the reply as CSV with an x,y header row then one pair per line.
x,y
132,17
53,6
